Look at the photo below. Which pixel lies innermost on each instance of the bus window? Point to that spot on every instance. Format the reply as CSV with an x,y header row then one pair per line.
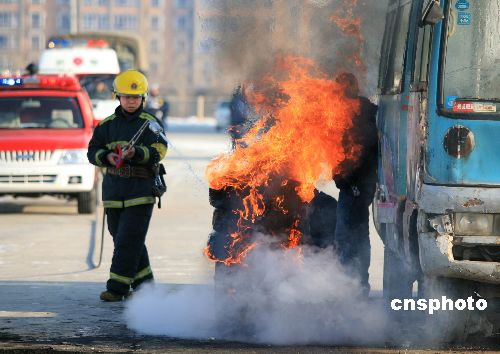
x,y
421,69
471,65
393,53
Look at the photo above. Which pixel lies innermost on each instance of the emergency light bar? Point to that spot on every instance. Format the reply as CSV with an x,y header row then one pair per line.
x,y
11,81
68,43
47,82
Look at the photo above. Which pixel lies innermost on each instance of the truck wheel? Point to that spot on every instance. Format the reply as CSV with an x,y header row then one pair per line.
x,y
397,281
87,202
457,325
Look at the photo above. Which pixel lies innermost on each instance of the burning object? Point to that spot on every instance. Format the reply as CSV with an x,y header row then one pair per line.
x,y
267,181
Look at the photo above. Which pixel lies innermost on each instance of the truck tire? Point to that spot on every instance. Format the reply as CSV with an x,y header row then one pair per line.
x,y
397,280
458,325
87,202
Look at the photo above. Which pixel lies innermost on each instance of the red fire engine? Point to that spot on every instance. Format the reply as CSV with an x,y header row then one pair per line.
x,y
46,122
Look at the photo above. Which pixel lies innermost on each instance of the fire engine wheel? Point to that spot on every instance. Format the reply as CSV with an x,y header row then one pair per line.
x,y
454,326
87,202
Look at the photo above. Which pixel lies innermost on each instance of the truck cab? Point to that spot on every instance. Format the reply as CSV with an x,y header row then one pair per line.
x,y
92,62
46,122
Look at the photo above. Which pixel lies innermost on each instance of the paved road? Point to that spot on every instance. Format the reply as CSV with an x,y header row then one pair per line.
x,y
50,284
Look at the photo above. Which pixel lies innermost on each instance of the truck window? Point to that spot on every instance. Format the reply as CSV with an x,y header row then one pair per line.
x,y
39,113
99,87
421,68
393,47
471,65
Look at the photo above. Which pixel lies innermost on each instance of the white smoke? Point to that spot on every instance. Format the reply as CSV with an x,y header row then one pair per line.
x,y
297,296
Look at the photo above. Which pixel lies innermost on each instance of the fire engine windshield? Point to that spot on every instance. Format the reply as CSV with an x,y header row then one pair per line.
x,y
99,87
39,113
471,62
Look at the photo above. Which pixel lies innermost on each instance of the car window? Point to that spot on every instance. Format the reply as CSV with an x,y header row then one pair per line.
x,y
39,113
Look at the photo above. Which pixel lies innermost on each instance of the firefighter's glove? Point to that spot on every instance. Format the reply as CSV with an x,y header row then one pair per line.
x,y
128,153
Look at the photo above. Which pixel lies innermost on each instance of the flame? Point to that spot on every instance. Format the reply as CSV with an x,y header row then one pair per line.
x,y
296,143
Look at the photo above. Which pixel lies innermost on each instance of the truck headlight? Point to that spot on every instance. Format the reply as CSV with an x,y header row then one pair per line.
x,y
71,157
470,224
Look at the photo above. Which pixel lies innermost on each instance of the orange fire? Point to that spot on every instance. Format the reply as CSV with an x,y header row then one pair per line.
x,y
302,146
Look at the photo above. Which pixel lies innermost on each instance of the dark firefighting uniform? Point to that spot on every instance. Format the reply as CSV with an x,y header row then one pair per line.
x,y
127,194
357,187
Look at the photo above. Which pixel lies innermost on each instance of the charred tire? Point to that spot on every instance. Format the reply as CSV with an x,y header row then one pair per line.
x,y
87,202
454,326
397,282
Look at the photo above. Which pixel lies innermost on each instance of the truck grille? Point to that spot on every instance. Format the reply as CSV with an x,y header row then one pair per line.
x,y
24,156
27,179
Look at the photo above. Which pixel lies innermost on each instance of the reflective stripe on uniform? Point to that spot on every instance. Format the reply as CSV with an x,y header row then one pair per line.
x,y
145,272
105,120
120,278
111,145
147,116
145,153
161,148
112,203
128,203
139,201
97,159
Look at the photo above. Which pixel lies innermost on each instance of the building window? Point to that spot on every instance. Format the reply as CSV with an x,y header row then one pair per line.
x,y
4,41
125,22
90,22
63,2
155,3
153,67
103,22
87,3
35,2
181,3
103,2
35,42
7,19
153,46
129,3
180,44
35,20
181,22
155,22
63,23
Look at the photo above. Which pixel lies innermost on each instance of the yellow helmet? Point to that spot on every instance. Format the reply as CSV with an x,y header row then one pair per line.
x,y
130,83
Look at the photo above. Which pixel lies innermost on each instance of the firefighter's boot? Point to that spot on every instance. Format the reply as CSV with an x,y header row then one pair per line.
x,y
110,296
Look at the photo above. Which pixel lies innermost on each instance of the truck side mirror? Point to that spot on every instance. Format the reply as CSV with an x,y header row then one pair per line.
x,y
432,14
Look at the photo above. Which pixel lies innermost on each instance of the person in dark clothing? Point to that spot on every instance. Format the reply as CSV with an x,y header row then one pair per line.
x,y
357,186
31,69
158,105
240,111
127,191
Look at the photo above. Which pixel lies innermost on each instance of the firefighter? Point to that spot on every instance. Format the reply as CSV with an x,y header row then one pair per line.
x,y
127,192
158,105
357,186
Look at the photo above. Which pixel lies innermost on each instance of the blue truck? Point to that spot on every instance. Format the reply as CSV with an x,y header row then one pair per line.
x,y
437,206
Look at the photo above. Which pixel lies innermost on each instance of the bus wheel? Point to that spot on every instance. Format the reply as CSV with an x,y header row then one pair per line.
x,y
87,202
